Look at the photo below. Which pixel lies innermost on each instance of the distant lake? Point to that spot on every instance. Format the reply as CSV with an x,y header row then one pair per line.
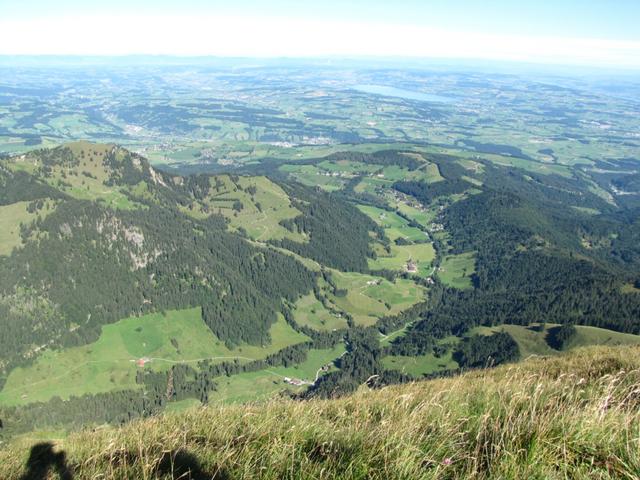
x,y
399,92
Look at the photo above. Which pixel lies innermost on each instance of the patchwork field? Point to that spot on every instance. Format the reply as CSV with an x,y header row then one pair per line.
x,y
109,363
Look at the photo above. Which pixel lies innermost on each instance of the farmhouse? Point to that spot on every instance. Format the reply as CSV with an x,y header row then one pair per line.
x,y
294,381
141,362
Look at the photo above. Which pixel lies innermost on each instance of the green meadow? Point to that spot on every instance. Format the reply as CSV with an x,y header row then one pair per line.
x,y
264,384
532,340
312,176
421,365
310,312
11,217
394,225
422,254
109,363
456,270
261,212
368,298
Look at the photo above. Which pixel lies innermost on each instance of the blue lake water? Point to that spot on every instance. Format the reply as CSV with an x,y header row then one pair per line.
x,y
399,92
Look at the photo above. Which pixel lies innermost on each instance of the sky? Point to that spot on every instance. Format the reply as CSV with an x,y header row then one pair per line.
x,y
566,32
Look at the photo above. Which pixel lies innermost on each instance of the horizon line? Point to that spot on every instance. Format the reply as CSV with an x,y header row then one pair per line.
x,y
433,60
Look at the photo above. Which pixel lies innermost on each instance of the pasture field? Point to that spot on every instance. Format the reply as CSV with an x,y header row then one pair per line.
x,y
532,341
423,217
394,225
309,311
263,384
312,176
369,298
262,212
456,270
428,173
348,167
109,363
421,253
419,366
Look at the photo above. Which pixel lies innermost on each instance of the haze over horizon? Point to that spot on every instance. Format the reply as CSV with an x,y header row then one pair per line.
x,y
564,32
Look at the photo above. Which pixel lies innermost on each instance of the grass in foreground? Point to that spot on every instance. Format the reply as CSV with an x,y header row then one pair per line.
x,y
572,416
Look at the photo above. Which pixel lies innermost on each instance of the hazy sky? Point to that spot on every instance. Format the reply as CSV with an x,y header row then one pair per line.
x,y
587,32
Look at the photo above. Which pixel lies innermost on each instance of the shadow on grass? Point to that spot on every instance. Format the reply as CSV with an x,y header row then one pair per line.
x,y
183,465
43,460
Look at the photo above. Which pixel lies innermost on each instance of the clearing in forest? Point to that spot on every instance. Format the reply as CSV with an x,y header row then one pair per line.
x,y
367,298
456,270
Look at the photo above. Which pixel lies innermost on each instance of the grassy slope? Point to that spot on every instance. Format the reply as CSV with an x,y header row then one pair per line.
x,y
108,364
260,223
311,312
533,342
456,270
394,225
252,386
11,216
572,416
530,341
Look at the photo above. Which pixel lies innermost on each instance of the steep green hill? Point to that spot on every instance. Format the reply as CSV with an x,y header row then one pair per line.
x,y
572,416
